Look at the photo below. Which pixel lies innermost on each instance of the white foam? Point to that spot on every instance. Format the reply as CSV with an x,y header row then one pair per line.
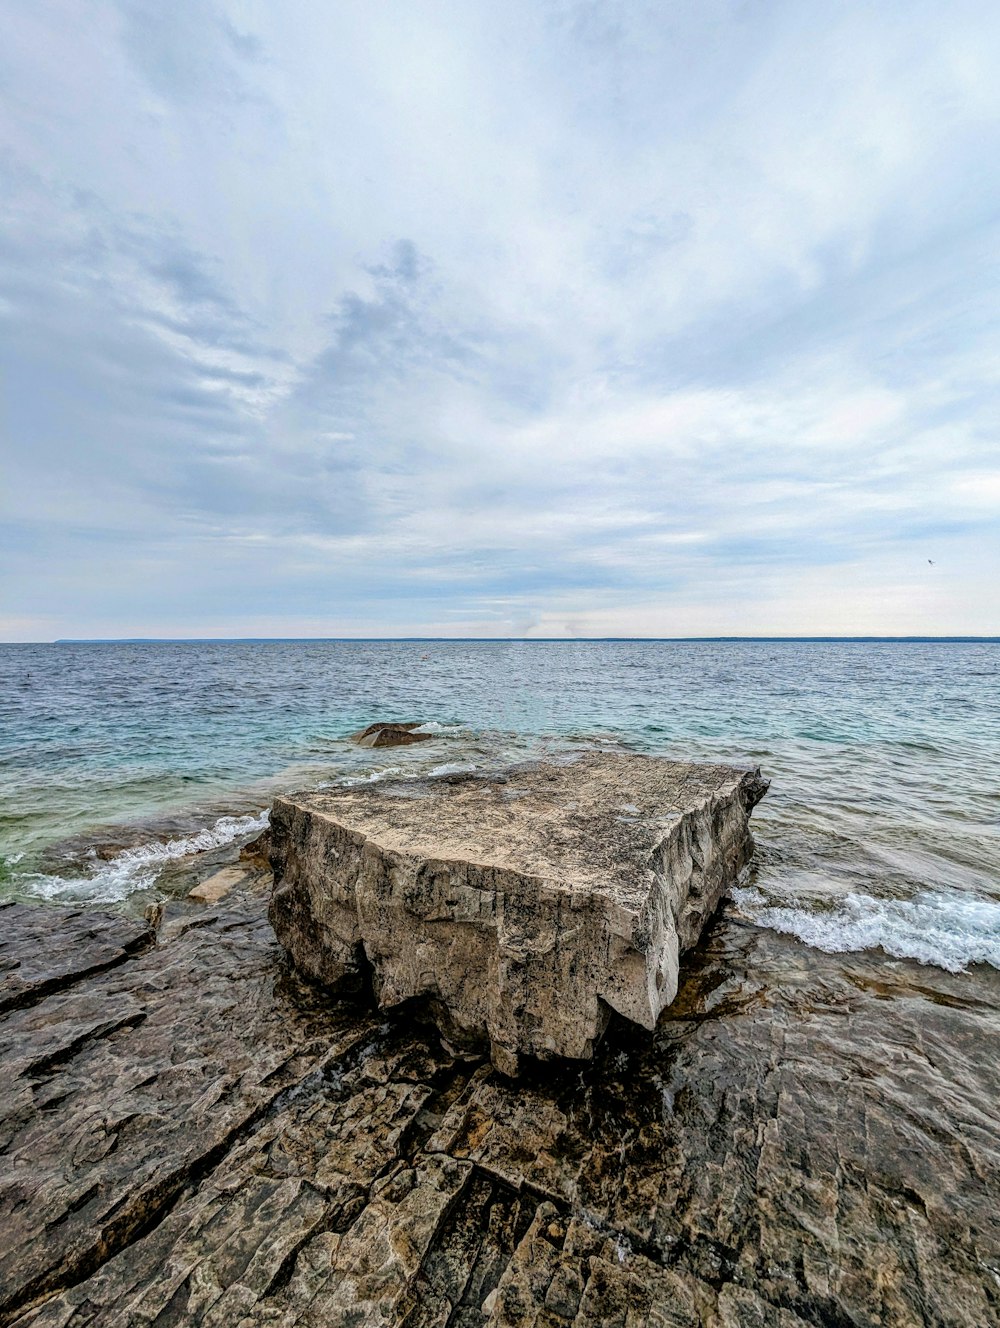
x,y
450,768
371,778
433,726
950,931
137,868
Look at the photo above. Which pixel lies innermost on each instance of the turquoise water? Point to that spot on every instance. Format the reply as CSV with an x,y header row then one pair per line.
x,y
882,826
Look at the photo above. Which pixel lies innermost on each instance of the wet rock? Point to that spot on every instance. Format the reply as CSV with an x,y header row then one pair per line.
x,y
153,915
45,950
390,735
524,909
218,885
197,1137
133,1081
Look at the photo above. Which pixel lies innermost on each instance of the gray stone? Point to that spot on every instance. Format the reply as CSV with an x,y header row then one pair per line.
x,y
524,908
197,1138
390,734
45,949
122,1083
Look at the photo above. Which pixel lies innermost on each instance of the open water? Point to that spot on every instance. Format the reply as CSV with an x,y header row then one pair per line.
x,y
881,830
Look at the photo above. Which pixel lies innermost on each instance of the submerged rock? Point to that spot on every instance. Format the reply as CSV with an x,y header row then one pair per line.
x,y
390,735
524,908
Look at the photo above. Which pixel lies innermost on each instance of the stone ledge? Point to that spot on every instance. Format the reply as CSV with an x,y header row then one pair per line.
x,y
788,1154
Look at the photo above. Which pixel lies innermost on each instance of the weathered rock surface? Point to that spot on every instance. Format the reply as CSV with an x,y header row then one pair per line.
x,y
257,852
41,952
197,1137
390,735
524,908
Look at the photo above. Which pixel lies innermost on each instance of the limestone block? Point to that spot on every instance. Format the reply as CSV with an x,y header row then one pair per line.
x,y
524,907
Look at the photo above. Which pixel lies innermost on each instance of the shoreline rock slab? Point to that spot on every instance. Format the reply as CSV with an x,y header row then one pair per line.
x,y
193,1136
77,944
215,887
125,1083
197,1138
526,907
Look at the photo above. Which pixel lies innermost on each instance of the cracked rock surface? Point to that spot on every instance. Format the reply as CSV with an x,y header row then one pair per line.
x,y
76,943
195,1136
524,908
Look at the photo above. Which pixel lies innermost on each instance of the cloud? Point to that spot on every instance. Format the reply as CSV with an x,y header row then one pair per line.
x,y
188,50
541,319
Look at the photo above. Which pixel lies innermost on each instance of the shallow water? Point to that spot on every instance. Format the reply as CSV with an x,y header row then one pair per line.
x,y
881,829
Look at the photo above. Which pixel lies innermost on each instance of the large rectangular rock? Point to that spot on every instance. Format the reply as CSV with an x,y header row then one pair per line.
x,y
524,907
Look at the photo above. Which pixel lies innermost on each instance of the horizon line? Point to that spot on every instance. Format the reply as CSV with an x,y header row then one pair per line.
x,y
564,640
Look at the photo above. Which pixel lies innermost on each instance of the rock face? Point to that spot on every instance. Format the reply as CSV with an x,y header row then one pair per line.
x,y
257,852
389,735
193,1137
524,908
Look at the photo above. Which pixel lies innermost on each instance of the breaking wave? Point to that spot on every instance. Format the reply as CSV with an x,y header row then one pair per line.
x,y
372,778
950,931
137,868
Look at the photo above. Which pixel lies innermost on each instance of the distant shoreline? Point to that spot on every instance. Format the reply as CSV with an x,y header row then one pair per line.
x,y
491,640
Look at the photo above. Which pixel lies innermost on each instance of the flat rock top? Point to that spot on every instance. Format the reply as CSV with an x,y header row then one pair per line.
x,y
588,824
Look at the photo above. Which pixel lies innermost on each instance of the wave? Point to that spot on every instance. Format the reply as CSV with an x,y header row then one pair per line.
x,y
372,778
137,868
950,931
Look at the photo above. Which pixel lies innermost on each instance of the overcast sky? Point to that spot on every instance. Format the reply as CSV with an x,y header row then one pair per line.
x,y
549,317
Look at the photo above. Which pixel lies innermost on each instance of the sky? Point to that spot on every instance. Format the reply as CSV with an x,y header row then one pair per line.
x,y
542,318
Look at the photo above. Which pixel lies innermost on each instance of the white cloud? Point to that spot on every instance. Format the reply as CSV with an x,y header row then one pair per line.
x,y
627,318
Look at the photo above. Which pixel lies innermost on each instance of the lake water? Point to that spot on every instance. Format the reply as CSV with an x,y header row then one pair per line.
x,y
881,828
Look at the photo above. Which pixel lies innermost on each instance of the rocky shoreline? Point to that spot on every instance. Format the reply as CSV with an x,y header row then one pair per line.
x,y
190,1133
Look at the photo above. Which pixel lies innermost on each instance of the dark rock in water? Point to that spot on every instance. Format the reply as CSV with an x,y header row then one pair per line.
x,y
390,735
525,909
197,1137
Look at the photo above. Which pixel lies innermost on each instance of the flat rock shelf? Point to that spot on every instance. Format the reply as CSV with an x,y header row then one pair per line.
x,y
192,1136
524,907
